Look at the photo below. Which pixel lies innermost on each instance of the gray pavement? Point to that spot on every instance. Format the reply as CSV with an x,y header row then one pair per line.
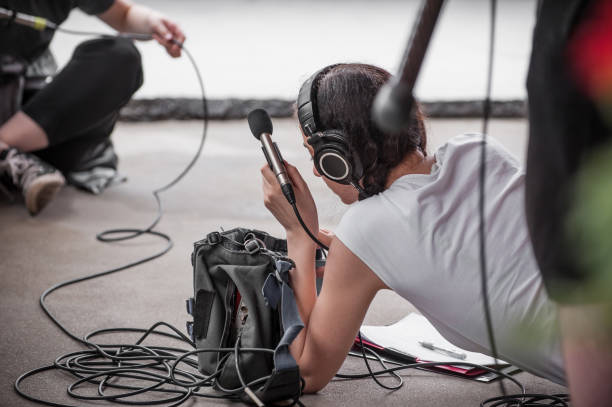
x,y
223,190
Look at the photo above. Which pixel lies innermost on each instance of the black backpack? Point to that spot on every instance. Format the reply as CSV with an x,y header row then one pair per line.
x,y
243,306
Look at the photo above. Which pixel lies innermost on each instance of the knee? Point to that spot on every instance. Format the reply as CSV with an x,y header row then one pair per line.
x,y
125,61
122,51
120,58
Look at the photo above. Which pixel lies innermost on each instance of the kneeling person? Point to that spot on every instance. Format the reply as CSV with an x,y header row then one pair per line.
x,y
65,126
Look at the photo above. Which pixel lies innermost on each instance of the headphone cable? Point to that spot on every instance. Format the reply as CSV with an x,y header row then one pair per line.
x,y
308,232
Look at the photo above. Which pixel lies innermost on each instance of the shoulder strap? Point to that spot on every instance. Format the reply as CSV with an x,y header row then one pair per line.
x,y
284,383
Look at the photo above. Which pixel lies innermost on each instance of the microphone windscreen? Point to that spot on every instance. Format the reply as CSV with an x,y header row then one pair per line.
x,y
259,122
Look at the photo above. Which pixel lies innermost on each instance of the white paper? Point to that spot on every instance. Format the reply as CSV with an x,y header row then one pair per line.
x,y
406,334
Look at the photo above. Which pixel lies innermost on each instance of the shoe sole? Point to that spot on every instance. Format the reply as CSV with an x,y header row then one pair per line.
x,y
42,191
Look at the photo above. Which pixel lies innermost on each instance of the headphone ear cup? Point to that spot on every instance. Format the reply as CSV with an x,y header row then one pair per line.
x,y
332,158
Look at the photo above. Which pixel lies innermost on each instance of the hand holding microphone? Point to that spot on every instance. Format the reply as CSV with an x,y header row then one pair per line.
x,y
261,127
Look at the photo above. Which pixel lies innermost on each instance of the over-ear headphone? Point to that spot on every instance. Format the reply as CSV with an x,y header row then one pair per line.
x,y
332,156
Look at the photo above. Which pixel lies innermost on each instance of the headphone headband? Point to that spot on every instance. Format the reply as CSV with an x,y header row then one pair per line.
x,y
307,104
332,155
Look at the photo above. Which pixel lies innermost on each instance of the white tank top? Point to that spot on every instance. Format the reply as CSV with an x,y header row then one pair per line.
x,y
420,236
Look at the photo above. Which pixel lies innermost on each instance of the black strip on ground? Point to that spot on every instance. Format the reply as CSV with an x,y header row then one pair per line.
x,y
226,109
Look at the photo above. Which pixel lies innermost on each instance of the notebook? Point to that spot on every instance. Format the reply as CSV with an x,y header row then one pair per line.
x,y
401,342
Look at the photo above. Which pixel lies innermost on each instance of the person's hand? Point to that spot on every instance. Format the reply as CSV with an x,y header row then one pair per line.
x,y
128,17
167,34
277,204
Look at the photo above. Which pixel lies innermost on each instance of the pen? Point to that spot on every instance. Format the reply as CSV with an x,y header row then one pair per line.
x,y
447,352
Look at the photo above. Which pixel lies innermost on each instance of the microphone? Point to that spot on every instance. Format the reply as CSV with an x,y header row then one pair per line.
x,y
392,106
37,23
41,24
261,127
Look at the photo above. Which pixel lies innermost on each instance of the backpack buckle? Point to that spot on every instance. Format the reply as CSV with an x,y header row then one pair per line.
x,y
213,238
190,304
189,326
253,246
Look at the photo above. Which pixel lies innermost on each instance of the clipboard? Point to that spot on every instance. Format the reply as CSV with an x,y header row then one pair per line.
x,y
399,344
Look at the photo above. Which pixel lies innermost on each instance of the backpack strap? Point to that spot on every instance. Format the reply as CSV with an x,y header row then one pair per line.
x,y
285,382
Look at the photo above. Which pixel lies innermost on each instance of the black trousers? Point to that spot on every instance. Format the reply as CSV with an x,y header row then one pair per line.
x,y
79,108
564,127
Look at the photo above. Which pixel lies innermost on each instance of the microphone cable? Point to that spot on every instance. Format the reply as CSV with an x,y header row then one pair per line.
x,y
324,248
105,364
522,399
486,113
505,399
122,234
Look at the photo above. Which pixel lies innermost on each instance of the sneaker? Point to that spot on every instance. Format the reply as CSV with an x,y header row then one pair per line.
x,y
36,180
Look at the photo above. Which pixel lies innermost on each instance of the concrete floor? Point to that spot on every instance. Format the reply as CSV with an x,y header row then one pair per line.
x,y
222,190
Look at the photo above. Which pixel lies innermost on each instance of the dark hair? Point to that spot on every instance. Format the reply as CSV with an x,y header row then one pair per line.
x,y
344,96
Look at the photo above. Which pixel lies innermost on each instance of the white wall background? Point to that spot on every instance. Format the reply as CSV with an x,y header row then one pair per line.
x,y
266,48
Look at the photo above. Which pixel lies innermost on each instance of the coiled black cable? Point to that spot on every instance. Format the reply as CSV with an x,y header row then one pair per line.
x,y
156,366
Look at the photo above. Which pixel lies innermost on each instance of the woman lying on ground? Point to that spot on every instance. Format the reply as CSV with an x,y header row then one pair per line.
x,y
412,227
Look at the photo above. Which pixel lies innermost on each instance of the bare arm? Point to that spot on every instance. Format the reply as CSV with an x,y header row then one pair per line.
x,y
331,320
125,16
348,289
